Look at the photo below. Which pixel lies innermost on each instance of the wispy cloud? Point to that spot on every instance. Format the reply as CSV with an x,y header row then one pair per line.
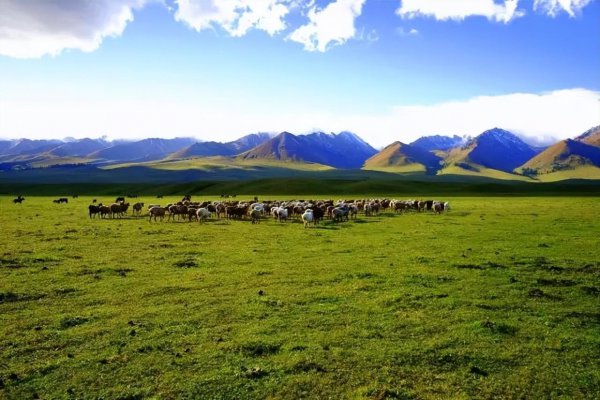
x,y
32,29
555,7
406,31
330,26
460,9
237,17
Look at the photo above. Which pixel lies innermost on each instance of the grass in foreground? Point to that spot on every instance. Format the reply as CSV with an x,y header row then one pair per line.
x,y
496,299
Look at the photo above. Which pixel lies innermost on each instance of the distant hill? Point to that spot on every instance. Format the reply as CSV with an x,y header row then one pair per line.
x,y
27,146
494,154
564,155
591,136
437,142
404,158
209,149
343,150
494,149
143,150
81,147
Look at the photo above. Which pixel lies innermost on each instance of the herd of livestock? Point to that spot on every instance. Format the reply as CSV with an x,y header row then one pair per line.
x,y
308,211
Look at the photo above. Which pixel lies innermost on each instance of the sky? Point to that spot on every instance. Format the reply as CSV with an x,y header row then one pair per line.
x,y
219,69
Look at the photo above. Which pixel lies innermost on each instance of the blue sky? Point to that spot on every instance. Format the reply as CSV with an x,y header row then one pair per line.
x,y
385,69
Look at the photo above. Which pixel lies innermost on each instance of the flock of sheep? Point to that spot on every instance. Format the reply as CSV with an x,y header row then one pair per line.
x,y
309,211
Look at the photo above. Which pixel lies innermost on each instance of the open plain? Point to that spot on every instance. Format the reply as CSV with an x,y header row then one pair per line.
x,y
497,298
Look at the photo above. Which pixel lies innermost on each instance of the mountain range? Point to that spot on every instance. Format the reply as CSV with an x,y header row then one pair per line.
x,y
494,153
344,150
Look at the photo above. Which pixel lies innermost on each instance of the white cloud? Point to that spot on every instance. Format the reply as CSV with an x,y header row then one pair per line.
x,y
30,29
541,117
237,17
332,25
460,9
407,32
554,7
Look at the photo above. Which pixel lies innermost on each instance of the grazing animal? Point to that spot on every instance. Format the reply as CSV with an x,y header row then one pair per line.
x,y
255,216
55,201
191,212
18,200
282,214
137,208
203,214
308,217
120,199
438,207
340,213
157,212
318,215
94,210
104,211
428,204
94,201
119,209
63,200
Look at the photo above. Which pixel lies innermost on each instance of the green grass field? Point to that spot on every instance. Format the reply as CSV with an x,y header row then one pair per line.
x,y
499,298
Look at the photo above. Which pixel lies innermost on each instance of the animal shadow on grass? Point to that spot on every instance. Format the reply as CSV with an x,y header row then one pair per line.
x,y
539,294
186,263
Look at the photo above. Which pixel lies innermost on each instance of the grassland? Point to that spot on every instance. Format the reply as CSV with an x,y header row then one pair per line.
x,y
499,298
581,172
218,164
482,171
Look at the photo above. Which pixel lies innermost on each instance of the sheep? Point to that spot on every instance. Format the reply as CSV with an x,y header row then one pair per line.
x,y
157,212
104,210
308,217
93,210
318,214
115,208
203,214
340,213
137,208
438,207
178,210
282,214
353,211
191,212
255,216
118,209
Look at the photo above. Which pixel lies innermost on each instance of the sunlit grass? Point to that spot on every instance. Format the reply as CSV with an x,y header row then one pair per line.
x,y
496,299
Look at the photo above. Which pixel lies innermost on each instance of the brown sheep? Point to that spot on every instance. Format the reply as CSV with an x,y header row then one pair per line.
x,y
157,212
137,208
104,211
